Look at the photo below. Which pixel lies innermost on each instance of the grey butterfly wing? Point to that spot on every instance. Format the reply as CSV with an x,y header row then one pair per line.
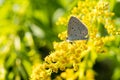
x,y
76,29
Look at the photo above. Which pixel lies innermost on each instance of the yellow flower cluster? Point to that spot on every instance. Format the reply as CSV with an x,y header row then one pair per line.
x,y
74,61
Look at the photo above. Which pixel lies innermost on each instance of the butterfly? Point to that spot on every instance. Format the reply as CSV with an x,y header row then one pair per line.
x,y
76,30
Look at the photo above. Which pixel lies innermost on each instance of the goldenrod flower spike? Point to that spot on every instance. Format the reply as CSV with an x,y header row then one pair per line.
x,y
72,61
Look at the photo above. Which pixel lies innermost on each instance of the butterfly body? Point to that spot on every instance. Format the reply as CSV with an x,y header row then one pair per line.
x,y
76,30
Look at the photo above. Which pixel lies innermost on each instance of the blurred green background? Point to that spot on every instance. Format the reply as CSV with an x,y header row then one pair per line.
x,y
27,30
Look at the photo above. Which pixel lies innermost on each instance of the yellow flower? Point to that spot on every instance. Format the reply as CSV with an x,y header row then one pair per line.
x,y
63,35
90,74
69,75
61,21
78,57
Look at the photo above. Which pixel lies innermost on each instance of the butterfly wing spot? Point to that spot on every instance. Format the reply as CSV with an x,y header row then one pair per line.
x,y
75,34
